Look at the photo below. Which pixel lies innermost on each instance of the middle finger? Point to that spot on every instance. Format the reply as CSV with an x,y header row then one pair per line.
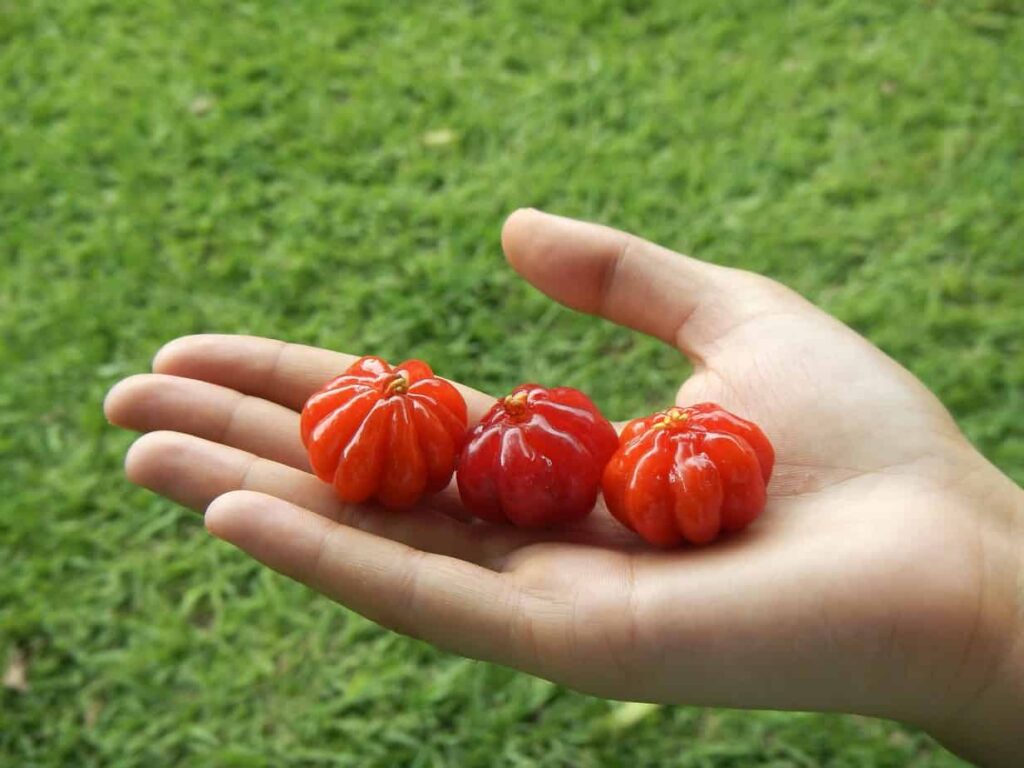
x,y
194,472
151,402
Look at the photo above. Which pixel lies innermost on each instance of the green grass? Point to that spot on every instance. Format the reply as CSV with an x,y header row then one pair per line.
x,y
337,174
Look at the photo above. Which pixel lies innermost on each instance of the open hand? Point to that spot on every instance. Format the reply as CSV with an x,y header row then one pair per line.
x,y
882,578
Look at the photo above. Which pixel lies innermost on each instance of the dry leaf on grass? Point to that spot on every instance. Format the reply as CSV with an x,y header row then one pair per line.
x,y
16,673
439,138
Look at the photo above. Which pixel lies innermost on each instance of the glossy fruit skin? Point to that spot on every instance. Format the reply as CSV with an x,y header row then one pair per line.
x,y
688,474
535,459
383,433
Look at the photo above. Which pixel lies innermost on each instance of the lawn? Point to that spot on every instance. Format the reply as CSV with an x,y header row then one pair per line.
x,y
337,174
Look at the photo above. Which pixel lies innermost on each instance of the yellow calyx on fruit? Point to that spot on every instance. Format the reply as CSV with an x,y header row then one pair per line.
x,y
515,404
673,417
399,385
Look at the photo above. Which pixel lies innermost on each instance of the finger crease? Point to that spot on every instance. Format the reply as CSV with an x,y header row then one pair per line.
x,y
244,481
610,275
274,369
522,632
317,564
621,656
229,423
409,589
680,334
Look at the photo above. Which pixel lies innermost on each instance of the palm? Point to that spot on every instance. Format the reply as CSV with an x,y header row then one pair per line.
x,y
816,606
831,553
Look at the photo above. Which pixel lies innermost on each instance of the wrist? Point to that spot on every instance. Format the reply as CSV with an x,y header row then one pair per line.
x,y
987,730
982,722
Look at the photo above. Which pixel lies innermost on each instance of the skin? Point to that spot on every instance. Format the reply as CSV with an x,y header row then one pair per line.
x,y
885,576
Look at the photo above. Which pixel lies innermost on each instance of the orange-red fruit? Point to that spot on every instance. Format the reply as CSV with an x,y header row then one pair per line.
x,y
688,475
383,433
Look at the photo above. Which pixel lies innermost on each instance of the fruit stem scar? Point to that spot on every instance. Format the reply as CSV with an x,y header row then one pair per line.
x,y
398,385
515,404
671,418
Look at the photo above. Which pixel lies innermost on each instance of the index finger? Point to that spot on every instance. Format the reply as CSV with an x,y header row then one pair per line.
x,y
275,370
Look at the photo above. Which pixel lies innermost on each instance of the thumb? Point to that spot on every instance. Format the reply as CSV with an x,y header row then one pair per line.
x,y
595,269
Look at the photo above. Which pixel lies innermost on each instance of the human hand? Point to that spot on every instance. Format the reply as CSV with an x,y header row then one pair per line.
x,y
884,577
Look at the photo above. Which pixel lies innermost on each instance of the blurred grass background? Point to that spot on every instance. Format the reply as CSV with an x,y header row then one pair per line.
x,y
337,174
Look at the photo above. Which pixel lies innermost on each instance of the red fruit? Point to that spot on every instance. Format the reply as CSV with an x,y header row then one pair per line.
x,y
536,458
383,433
687,474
